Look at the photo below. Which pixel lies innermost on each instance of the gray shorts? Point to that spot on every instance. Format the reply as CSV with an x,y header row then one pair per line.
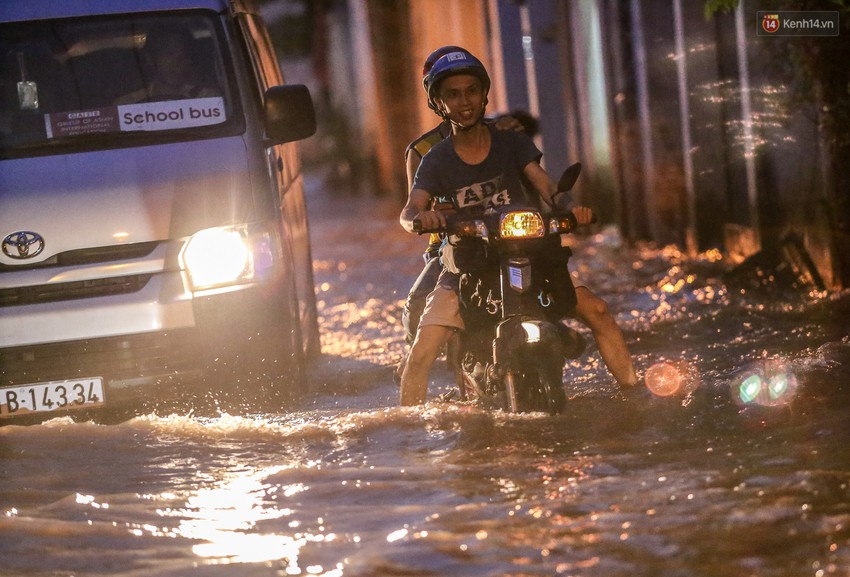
x,y
442,307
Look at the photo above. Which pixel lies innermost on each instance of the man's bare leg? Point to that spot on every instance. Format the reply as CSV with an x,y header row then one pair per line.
x,y
593,312
427,345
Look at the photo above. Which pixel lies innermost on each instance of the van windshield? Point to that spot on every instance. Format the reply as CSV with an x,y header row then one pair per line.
x,y
123,76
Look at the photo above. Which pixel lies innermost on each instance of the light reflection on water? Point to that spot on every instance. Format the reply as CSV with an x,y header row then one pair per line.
x,y
223,516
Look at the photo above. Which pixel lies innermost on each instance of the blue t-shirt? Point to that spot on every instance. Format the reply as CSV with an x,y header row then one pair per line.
x,y
496,181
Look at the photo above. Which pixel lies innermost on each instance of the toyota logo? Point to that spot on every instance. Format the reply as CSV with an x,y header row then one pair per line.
x,y
23,244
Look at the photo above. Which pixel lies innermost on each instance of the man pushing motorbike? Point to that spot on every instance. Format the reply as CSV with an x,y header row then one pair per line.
x,y
478,165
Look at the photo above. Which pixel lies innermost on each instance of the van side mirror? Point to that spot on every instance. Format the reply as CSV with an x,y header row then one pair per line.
x,y
288,113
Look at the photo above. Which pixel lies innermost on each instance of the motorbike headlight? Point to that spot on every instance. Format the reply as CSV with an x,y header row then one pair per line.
x,y
521,224
217,257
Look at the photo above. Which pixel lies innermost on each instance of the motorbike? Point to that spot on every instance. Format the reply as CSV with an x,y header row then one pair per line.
x,y
515,288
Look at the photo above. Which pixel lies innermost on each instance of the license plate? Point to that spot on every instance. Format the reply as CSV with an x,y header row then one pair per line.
x,y
53,396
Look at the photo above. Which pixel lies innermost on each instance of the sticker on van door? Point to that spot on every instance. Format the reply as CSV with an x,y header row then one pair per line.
x,y
148,116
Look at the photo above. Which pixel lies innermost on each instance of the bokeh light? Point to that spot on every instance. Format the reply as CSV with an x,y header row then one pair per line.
x,y
768,383
663,379
668,378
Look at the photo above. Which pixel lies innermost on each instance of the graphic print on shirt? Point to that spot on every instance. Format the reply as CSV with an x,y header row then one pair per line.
x,y
490,193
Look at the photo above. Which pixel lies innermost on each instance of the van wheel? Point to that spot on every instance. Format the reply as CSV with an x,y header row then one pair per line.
x,y
279,363
312,343
258,360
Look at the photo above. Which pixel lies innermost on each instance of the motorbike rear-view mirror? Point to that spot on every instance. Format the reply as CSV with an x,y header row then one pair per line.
x,y
569,178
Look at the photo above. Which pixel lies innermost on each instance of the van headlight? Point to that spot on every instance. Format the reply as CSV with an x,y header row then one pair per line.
x,y
217,257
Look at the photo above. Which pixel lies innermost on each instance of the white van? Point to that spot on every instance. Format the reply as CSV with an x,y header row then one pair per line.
x,y
152,215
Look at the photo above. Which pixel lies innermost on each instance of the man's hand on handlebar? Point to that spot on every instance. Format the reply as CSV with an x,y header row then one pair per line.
x,y
430,220
583,215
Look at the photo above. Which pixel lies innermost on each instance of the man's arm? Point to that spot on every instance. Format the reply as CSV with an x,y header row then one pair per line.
x,y
547,189
417,203
539,178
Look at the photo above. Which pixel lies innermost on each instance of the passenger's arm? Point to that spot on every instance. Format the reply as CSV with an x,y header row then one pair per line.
x,y
508,122
411,163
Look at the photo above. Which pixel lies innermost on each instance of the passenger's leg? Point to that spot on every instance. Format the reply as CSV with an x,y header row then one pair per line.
x,y
440,320
415,304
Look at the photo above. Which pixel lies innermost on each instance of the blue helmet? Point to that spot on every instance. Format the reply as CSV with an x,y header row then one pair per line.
x,y
436,55
450,64
429,64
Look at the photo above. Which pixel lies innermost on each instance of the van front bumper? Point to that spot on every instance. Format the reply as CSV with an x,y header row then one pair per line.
x,y
234,339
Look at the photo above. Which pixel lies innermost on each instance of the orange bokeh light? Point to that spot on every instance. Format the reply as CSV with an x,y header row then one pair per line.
x,y
663,379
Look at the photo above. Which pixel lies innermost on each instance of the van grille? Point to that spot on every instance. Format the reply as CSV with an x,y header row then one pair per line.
x,y
54,292
72,290
93,255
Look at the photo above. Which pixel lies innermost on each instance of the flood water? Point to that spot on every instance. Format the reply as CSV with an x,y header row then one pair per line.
x,y
742,469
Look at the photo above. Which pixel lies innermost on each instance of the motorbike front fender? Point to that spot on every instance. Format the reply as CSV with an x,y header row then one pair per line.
x,y
521,331
524,331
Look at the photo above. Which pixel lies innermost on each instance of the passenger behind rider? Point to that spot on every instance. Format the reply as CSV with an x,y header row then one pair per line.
x,y
427,279
475,165
169,69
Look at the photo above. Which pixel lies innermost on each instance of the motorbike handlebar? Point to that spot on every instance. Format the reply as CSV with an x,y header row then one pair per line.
x,y
450,223
454,220
573,220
